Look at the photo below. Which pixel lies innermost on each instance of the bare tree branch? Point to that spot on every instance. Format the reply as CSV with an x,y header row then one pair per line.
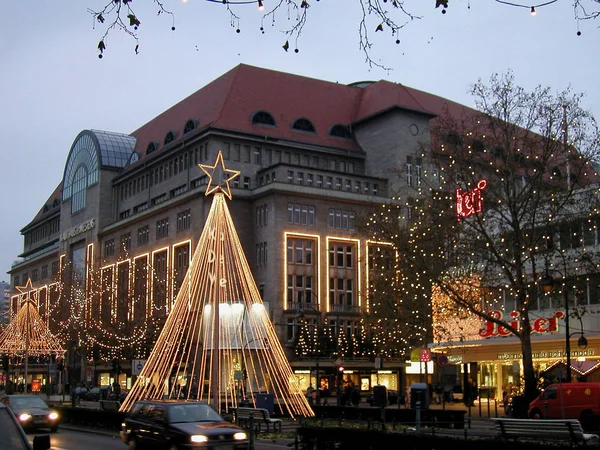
x,y
376,16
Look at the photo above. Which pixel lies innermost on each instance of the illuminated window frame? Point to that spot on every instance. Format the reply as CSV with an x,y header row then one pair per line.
x,y
316,254
358,268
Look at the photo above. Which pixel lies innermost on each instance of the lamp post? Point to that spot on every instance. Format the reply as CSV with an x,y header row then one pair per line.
x,y
547,283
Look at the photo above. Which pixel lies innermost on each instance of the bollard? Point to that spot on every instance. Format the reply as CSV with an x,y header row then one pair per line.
x,y
251,425
418,416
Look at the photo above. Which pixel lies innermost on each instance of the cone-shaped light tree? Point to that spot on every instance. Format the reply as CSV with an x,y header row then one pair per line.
x,y
218,343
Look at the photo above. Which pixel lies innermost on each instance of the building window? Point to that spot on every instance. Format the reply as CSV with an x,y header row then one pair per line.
x,y
143,235
261,254
341,255
341,294
262,215
162,228
34,275
54,268
301,214
300,251
125,242
184,220
342,219
109,247
409,171
44,272
79,185
246,182
263,118
418,172
303,124
290,176
300,289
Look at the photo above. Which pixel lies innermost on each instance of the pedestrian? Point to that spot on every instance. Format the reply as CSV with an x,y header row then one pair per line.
x,y
467,393
309,394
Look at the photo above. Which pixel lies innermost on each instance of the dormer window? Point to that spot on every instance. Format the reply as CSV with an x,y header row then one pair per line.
x,y
341,131
152,146
189,126
170,137
303,124
134,158
263,118
55,202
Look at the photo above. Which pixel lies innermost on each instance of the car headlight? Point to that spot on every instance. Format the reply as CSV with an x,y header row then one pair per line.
x,y
198,438
24,417
240,436
53,415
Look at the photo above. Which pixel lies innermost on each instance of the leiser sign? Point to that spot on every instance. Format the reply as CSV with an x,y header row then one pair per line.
x,y
540,325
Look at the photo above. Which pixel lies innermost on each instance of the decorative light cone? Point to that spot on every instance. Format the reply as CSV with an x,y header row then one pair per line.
x,y
218,343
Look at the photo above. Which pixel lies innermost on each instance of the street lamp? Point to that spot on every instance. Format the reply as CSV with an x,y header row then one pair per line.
x,y
547,283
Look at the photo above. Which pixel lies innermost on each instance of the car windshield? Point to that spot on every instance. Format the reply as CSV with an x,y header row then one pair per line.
x,y
193,413
27,402
11,435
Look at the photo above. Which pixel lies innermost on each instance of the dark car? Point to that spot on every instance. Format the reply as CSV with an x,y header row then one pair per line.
x,y
179,424
98,393
32,412
14,437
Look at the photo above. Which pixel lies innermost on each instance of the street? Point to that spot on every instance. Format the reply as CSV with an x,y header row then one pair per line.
x,y
69,439
76,440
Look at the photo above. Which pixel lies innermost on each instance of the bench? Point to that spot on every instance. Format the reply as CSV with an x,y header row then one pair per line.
x,y
110,405
260,416
542,430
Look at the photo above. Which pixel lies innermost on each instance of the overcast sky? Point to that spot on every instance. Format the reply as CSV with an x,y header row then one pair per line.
x,y
53,85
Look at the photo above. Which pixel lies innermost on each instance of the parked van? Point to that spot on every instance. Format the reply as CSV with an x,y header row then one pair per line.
x,y
567,401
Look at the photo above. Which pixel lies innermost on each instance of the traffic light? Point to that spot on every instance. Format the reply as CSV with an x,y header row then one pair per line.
x,y
59,365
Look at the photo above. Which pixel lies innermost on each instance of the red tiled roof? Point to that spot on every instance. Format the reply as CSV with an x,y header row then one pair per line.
x,y
228,103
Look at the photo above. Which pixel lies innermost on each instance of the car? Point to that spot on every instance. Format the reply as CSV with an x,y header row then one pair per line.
x,y
13,435
179,424
98,393
32,412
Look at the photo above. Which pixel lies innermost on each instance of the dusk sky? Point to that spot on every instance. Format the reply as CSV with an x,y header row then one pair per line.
x,y
54,85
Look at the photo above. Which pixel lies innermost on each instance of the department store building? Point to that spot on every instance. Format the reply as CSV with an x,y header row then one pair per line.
x,y
110,246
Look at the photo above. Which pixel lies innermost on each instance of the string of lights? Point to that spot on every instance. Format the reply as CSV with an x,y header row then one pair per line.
x,y
531,7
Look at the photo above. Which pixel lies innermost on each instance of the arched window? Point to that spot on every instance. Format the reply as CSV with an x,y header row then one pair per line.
x,y
263,118
152,146
79,185
341,131
83,156
189,126
303,124
170,137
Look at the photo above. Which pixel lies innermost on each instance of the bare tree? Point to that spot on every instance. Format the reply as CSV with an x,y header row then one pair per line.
x,y
488,221
384,16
